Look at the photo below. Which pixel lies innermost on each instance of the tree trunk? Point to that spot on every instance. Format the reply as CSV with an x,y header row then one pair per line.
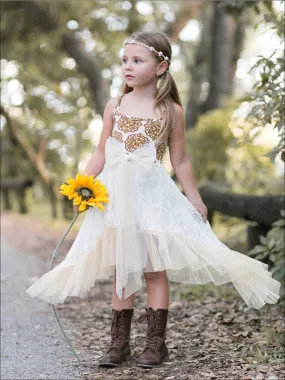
x,y
19,185
237,48
21,195
6,200
199,70
53,200
88,67
259,209
223,33
254,233
36,158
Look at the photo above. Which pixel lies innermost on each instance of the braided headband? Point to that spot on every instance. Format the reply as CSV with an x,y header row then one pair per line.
x,y
150,48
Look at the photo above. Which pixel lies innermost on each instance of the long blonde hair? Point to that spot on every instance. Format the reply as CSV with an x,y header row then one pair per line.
x,y
167,91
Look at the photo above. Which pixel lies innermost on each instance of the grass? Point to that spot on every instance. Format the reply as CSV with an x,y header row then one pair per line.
x,y
263,356
201,292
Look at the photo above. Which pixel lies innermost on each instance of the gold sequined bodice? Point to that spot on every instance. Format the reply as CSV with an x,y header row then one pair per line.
x,y
136,131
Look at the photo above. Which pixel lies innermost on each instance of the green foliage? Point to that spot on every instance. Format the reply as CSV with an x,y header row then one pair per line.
x,y
268,93
269,99
198,293
237,7
248,170
218,154
207,144
271,250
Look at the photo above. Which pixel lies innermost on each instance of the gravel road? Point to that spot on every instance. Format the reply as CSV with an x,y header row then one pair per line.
x,y
31,342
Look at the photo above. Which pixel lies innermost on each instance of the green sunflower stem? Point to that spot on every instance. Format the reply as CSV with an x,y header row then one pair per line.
x,y
53,307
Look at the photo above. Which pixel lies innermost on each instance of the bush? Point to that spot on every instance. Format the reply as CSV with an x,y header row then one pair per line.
x,y
207,144
271,251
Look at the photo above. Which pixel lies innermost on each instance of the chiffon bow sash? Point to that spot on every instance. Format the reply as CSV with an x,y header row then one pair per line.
x,y
127,164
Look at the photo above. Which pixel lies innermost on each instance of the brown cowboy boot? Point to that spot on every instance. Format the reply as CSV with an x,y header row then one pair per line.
x,y
119,348
155,352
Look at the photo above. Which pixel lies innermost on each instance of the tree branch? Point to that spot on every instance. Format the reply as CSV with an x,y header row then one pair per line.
x,y
85,61
260,209
35,159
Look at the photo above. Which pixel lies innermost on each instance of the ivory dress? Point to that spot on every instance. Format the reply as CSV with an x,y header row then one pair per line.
x,y
148,225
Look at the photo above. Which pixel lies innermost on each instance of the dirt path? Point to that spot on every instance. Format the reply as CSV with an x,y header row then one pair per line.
x,y
31,347
211,334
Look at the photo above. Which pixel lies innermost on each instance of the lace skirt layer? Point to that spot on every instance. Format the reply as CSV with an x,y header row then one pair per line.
x,y
149,225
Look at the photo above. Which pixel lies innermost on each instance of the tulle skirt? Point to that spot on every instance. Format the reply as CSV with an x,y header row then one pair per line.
x,y
149,226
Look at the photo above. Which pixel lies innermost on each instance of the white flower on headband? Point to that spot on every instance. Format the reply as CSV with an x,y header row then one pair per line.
x,y
166,58
160,53
151,48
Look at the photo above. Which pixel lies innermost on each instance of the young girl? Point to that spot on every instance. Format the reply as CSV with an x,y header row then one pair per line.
x,y
149,227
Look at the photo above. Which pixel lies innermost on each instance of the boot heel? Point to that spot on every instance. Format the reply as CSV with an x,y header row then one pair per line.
x,y
167,355
128,357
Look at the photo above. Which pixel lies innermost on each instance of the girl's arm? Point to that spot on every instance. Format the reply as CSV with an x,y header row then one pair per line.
x,y
97,161
181,163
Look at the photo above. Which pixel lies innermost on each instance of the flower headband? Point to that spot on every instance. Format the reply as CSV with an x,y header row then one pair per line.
x,y
150,48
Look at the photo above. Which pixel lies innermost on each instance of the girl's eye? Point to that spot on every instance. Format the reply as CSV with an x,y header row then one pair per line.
x,y
136,59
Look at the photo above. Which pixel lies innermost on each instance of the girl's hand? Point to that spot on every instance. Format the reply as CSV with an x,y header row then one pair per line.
x,y
202,209
76,210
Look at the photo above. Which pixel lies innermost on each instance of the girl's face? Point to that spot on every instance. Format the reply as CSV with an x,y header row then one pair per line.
x,y
140,63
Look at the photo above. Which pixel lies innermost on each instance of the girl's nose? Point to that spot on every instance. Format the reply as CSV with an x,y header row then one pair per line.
x,y
129,67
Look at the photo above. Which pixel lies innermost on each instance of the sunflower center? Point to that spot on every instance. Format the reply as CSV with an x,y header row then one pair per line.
x,y
85,193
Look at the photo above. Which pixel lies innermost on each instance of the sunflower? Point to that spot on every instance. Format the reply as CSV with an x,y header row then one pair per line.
x,y
85,192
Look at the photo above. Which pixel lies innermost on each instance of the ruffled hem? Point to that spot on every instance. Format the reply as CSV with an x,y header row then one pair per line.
x,y
186,260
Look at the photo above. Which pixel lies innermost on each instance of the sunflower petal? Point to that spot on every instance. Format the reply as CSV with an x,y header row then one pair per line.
x,y
82,206
91,204
77,201
103,200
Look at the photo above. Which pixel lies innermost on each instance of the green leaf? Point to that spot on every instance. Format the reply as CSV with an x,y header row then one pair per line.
x,y
263,240
257,249
271,244
281,60
272,155
265,254
278,273
272,257
256,8
280,124
279,223
268,4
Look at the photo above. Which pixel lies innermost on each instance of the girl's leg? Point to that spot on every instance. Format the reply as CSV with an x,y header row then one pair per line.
x,y
118,304
157,290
